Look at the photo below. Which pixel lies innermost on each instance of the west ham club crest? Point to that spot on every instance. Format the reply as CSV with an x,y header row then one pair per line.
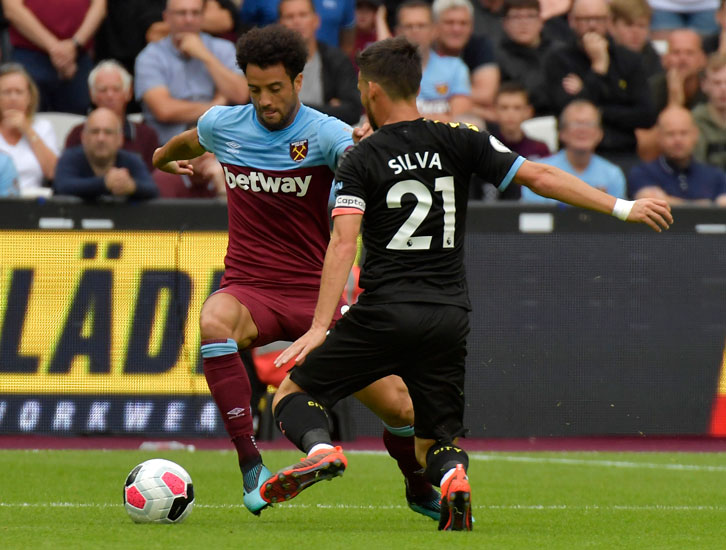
x,y
299,150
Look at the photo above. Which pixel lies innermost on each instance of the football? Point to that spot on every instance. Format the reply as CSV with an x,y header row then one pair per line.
x,y
158,491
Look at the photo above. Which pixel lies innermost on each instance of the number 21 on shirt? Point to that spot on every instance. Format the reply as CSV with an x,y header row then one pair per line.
x,y
404,239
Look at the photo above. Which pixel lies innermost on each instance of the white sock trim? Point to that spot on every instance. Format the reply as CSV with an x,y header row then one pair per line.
x,y
319,446
446,476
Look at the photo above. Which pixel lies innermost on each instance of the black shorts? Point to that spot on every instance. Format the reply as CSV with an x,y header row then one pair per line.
x,y
425,344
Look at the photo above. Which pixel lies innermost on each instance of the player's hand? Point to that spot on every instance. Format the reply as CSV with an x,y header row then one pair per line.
x,y
362,132
179,167
656,213
300,348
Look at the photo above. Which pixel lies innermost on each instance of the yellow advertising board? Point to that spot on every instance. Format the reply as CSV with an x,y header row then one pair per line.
x,y
104,312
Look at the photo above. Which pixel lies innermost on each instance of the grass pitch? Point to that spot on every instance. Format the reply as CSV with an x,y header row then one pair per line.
x,y
72,499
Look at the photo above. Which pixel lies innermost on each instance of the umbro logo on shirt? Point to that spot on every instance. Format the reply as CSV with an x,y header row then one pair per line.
x,y
235,413
232,147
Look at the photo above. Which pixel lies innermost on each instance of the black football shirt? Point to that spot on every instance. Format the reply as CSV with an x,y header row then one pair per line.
x,y
411,182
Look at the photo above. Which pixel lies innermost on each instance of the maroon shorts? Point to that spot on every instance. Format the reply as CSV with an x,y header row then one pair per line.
x,y
279,314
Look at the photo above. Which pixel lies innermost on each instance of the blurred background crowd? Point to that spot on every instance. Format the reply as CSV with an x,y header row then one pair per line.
x,y
630,95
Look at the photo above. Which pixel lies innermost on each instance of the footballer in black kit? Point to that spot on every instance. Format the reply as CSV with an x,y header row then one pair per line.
x,y
410,180
406,188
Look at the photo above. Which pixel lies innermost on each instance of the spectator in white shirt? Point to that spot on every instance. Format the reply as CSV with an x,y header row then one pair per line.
x,y
30,142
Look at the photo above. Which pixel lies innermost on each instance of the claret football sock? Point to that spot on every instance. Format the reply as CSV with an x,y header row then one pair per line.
x,y
400,445
231,390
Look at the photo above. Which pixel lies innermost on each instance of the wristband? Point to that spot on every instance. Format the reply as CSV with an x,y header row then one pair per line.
x,y
622,209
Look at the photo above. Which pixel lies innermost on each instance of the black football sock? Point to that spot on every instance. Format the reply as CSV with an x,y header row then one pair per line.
x,y
303,421
441,458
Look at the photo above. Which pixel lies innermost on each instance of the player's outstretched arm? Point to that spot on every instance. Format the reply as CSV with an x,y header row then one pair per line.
x,y
172,156
339,258
554,183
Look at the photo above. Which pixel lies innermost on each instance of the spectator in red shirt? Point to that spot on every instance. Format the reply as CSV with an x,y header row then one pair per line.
x,y
513,108
370,25
51,40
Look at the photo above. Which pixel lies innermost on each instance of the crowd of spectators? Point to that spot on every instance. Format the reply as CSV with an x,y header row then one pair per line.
x,y
637,87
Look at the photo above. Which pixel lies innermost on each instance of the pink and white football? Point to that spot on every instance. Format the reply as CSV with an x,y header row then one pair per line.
x,y
158,491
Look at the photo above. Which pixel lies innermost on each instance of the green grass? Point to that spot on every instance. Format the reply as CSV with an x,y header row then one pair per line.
x,y
72,499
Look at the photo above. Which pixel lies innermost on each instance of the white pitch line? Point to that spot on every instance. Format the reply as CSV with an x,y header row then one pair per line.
x,y
579,462
677,508
596,462
524,507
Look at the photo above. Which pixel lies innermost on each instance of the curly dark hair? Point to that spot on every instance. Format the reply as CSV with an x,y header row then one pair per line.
x,y
268,46
393,63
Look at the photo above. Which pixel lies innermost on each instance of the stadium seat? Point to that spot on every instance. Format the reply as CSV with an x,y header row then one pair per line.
x,y
62,124
542,128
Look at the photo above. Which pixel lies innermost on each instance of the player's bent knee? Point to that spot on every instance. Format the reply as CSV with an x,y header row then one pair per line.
x,y
222,316
211,326
388,398
216,320
404,413
403,404
395,414
286,388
